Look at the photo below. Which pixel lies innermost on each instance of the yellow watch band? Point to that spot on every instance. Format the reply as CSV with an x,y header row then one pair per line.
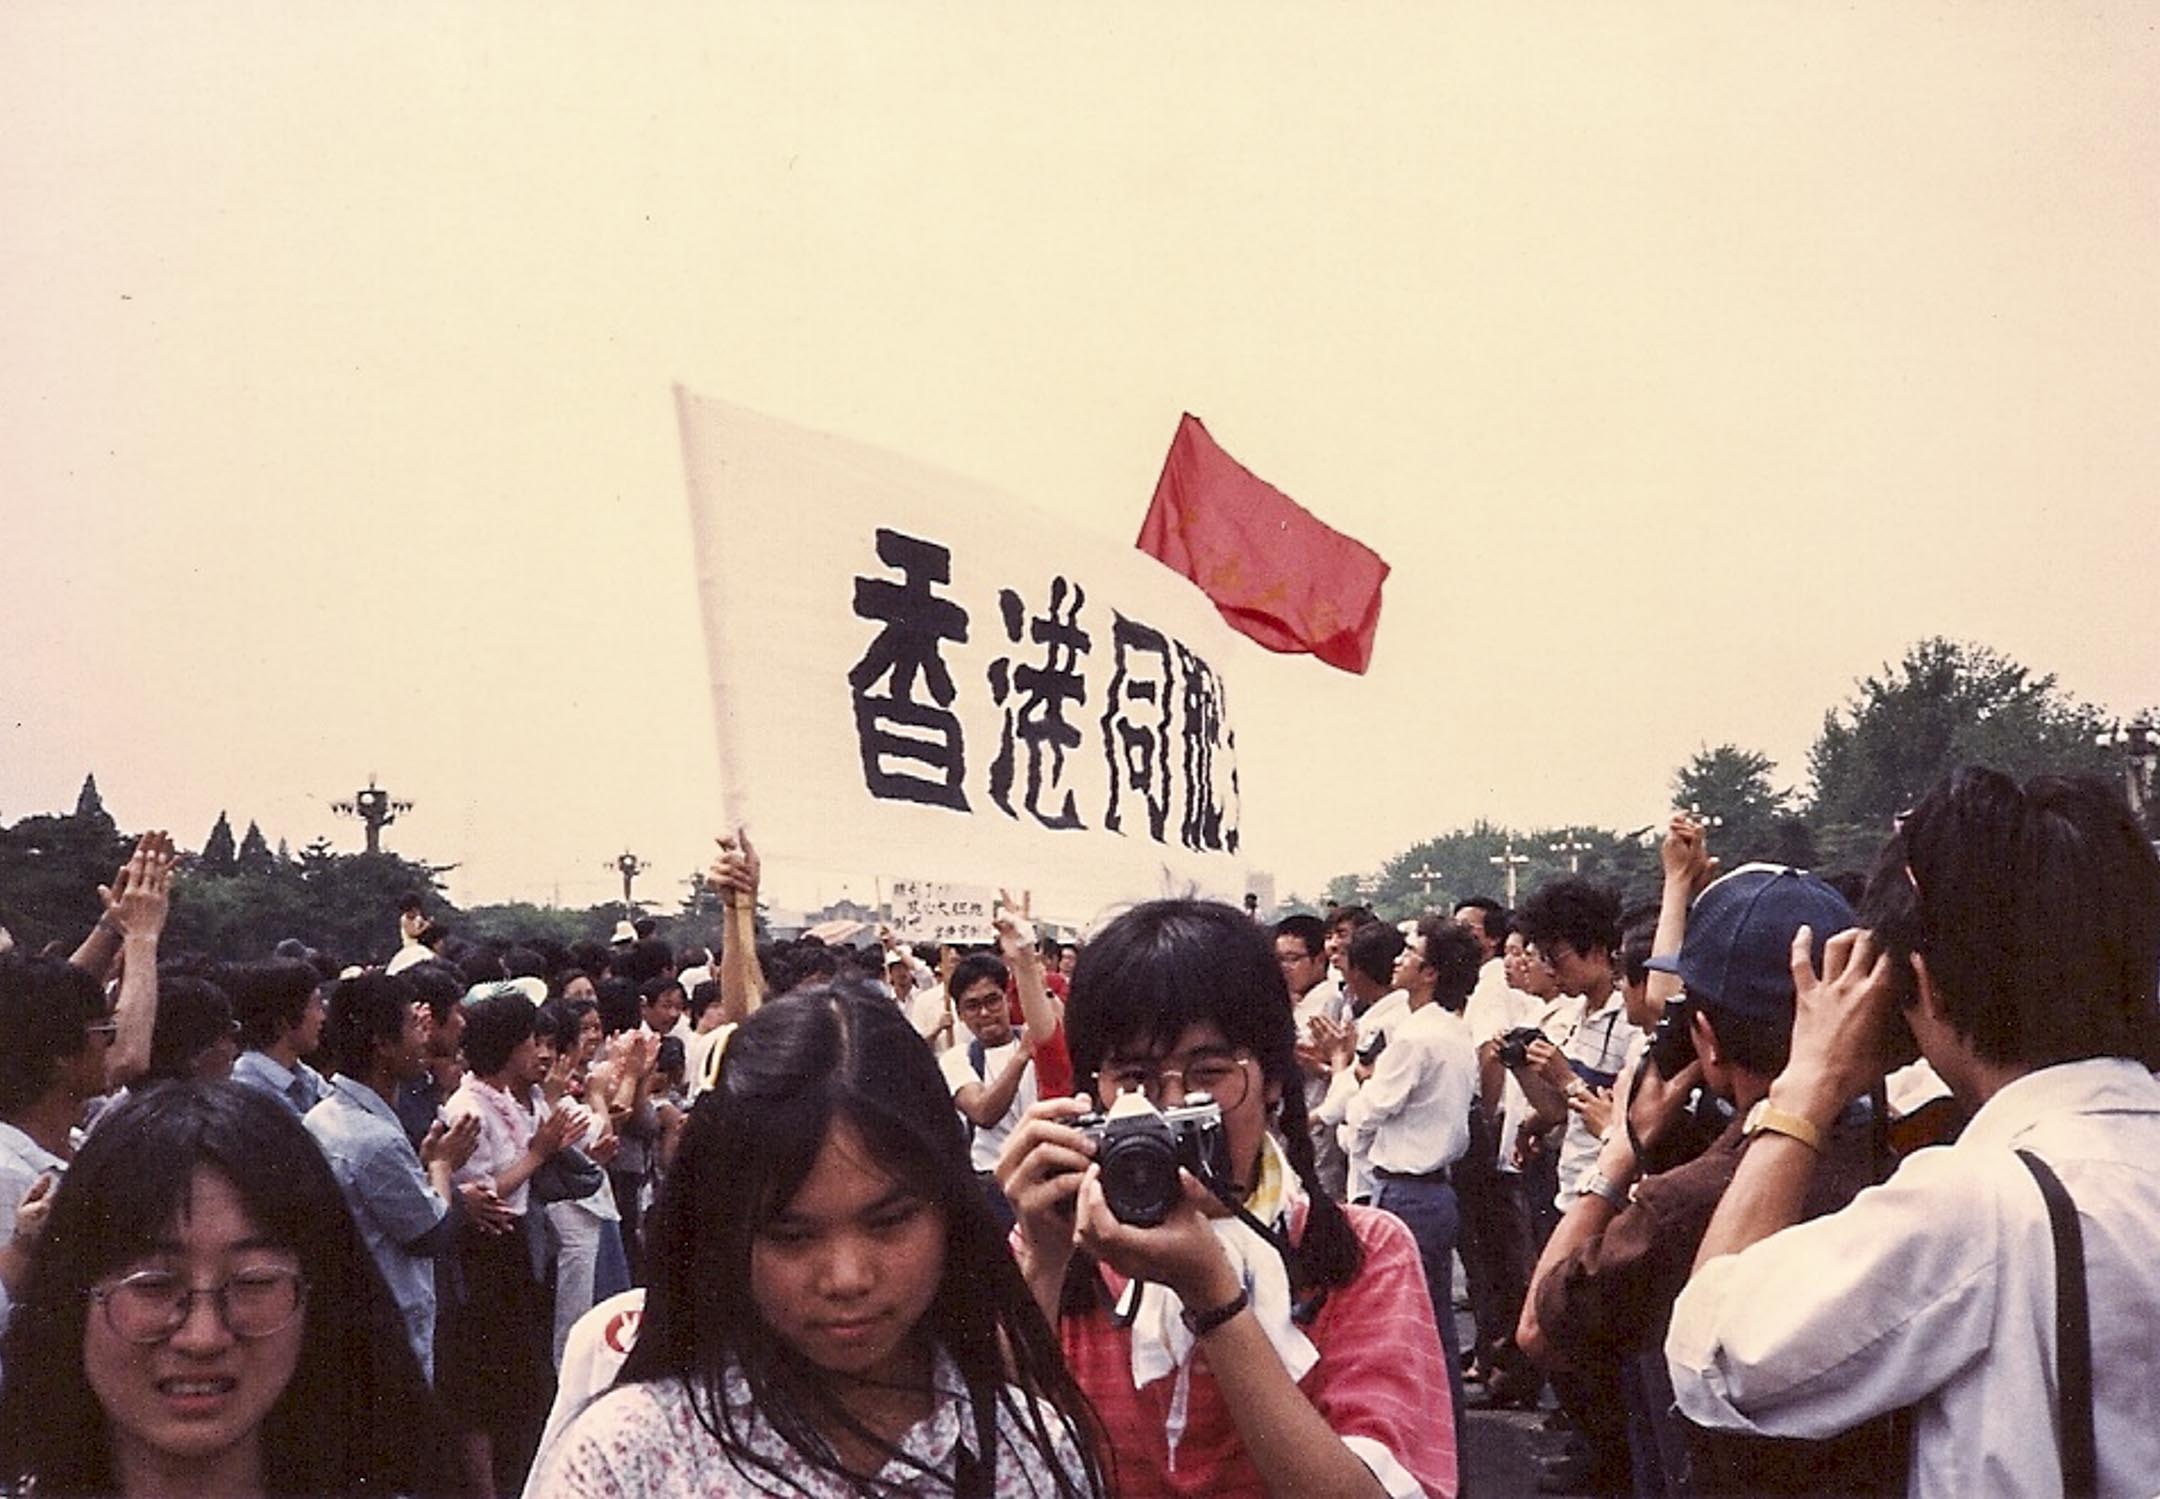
x,y
1777,1121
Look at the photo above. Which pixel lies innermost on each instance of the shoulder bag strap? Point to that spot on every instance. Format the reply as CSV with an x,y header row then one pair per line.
x,y
2073,1335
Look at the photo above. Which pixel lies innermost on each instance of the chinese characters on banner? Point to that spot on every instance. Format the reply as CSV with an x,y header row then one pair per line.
x,y
927,911
912,671
1163,733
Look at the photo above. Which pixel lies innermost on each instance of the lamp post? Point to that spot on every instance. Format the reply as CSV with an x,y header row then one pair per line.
x,y
2139,745
1574,848
629,866
1704,820
1510,861
375,808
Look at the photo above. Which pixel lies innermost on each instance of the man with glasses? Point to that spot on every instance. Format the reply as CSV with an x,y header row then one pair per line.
x,y
1573,926
64,1047
1301,948
992,1077
58,1033
1416,1107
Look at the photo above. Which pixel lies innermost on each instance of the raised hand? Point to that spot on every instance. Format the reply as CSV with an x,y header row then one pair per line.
x,y
735,869
1685,854
1017,940
1840,1023
559,1129
140,896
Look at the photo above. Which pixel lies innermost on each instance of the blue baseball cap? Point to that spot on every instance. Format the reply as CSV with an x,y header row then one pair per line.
x,y
1738,953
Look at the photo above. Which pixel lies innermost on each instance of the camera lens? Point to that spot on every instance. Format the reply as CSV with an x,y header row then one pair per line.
x,y
1139,1177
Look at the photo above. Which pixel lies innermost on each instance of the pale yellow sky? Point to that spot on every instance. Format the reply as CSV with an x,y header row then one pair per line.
x,y
1686,362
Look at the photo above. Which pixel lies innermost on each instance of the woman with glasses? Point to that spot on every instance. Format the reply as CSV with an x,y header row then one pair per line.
x,y
200,1317
1260,1339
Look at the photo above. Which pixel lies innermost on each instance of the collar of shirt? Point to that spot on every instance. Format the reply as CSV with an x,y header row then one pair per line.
x,y
361,1096
32,1154
268,1068
931,1441
2102,1085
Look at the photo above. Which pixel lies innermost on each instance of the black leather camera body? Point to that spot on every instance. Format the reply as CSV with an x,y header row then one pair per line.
x,y
1672,1044
1515,1045
1139,1156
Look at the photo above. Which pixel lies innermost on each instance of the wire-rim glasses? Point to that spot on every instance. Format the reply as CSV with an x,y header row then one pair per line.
x,y
151,1305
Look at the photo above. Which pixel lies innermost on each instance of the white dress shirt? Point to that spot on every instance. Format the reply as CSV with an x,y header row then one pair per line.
x,y
1937,1289
1416,1104
1379,1019
1495,1006
1324,998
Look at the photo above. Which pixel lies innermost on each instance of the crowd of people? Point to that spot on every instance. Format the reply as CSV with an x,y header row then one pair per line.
x,y
1776,1184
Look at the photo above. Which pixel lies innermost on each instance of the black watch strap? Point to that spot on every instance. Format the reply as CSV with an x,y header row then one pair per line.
x,y
1200,1324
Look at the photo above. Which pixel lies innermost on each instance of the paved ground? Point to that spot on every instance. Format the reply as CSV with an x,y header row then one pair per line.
x,y
1503,1451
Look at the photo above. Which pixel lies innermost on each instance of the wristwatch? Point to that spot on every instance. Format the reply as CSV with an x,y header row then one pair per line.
x,y
1766,1118
1200,1324
1594,1183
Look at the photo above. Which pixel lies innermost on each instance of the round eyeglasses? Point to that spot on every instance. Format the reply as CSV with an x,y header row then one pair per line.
x,y
151,1305
1222,1075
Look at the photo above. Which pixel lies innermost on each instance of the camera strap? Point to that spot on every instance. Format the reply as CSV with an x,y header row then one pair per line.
x,y
1127,1306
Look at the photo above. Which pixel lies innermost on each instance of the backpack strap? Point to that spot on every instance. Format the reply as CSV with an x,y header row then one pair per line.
x,y
2073,1335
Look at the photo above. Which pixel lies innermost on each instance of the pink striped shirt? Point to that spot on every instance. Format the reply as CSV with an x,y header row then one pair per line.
x,y
1381,1380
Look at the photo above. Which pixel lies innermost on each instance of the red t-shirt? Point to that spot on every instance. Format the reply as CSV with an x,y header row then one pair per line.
x,y
1381,1375
1053,1059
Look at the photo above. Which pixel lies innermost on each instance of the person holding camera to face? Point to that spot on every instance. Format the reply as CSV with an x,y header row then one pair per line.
x,y
2004,1287
1606,1282
1237,1331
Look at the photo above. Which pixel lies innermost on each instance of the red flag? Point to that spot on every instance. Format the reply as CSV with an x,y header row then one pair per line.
x,y
1278,574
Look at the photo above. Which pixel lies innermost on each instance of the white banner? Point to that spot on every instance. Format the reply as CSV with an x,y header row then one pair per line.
x,y
913,671
932,911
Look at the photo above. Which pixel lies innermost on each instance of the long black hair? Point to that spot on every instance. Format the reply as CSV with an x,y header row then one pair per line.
x,y
819,1055
1159,968
357,1416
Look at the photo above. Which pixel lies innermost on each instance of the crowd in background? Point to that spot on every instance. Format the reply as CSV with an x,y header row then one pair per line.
x,y
855,1220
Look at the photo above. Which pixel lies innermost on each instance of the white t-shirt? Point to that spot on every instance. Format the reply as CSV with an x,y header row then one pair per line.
x,y
984,1149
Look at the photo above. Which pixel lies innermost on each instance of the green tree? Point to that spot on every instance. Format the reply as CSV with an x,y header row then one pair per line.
x,y
50,868
1440,872
1756,820
218,857
254,856
1947,703
520,921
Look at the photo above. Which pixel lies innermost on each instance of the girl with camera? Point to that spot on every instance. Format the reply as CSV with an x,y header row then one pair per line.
x,y
832,1310
1260,1338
